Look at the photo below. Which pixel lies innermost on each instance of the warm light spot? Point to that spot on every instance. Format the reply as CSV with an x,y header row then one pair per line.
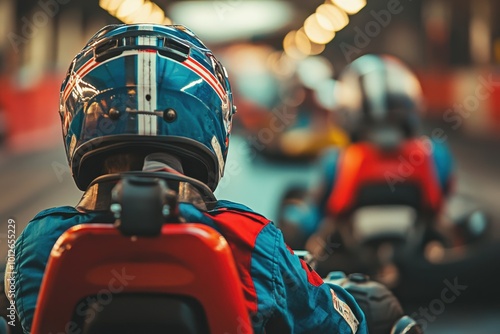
x,y
128,7
305,45
332,17
302,43
167,21
141,15
316,32
110,5
316,49
135,11
434,252
281,64
350,6
289,39
157,15
290,46
324,21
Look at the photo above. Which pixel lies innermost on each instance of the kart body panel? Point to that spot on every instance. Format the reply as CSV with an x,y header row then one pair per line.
x,y
190,260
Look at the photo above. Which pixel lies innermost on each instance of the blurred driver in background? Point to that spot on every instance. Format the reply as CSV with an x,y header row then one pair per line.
x,y
378,102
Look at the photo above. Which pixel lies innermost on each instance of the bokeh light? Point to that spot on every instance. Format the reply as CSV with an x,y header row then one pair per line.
x,y
350,6
332,17
316,32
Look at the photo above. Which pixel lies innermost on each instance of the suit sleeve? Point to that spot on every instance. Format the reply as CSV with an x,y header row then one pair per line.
x,y
303,302
445,166
308,215
32,252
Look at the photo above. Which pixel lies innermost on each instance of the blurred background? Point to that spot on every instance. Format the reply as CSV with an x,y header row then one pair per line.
x,y
282,58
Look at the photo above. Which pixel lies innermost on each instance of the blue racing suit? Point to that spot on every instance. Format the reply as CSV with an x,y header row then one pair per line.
x,y
279,288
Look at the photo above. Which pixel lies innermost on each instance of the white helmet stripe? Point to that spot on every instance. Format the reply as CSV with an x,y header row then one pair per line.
x,y
146,84
373,86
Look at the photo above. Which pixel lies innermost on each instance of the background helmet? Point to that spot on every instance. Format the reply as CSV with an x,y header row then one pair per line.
x,y
378,92
146,88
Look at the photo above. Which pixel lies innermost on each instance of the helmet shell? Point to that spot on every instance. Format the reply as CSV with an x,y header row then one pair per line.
x,y
379,91
145,88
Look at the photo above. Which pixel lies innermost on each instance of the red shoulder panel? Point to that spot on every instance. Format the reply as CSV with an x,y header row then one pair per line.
x,y
241,229
312,276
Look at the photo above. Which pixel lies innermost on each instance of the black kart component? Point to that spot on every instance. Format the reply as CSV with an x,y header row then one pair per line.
x,y
380,306
141,204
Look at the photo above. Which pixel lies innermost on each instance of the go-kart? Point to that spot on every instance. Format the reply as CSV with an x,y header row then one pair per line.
x,y
301,143
388,231
151,273
297,132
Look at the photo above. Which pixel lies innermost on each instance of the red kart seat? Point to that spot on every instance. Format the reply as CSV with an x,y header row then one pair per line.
x,y
100,281
368,175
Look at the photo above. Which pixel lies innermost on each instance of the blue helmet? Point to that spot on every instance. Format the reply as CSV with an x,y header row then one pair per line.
x,y
146,88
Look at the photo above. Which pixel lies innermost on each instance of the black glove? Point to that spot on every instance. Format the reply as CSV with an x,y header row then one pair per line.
x,y
382,309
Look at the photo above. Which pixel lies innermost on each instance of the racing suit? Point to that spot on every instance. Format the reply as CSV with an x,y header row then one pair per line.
x,y
281,291
308,216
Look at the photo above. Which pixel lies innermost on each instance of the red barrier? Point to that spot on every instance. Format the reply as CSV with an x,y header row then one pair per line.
x,y
443,90
438,90
30,113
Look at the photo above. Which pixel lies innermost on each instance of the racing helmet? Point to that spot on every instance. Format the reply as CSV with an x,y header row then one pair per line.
x,y
378,92
145,88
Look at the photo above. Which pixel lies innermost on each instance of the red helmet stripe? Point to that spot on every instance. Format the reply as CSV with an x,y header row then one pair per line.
x,y
206,75
190,63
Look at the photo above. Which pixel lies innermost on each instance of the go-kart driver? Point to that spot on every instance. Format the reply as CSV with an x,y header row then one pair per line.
x,y
378,101
153,97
